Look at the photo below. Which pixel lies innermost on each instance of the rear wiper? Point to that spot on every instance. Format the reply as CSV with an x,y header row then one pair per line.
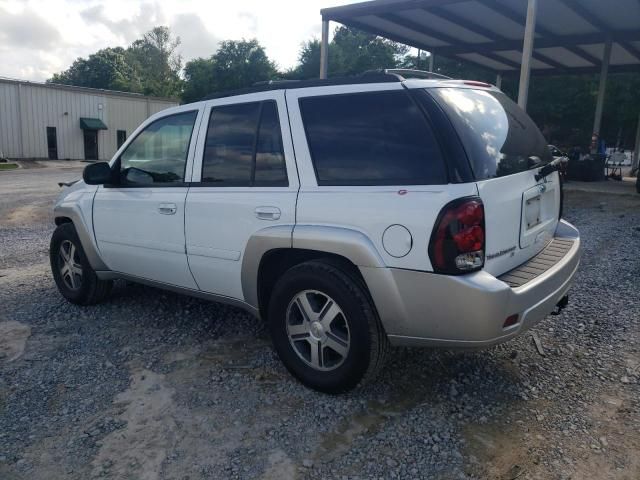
x,y
546,170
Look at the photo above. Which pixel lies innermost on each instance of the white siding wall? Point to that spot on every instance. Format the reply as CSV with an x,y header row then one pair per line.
x,y
9,130
28,109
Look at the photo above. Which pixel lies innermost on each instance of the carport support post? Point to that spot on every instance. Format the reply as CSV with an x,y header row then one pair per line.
x,y
604,71
527,50
431,61
499,81
635,161
324,49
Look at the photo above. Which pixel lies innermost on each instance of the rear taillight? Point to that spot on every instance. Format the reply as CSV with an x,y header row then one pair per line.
x,y
457,242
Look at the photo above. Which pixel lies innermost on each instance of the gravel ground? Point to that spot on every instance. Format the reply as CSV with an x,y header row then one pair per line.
x,y
153,385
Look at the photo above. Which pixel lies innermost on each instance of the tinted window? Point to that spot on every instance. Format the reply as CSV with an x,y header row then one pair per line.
x,y
379,138
499,137
228,151
159,153
234,142
270,166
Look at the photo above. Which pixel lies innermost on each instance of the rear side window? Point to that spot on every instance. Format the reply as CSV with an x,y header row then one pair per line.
x,y
499,137
377,138
244,146
270,166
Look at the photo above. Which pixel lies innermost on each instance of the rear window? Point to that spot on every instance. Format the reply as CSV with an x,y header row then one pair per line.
x,y
377,138
499,137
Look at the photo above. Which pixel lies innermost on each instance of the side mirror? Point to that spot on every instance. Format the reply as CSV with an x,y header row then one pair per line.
x,y
97,174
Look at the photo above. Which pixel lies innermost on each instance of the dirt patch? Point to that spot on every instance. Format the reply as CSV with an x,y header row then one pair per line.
x,y
279,466
609,449
13,340
505,452
140,448
28,214
615,440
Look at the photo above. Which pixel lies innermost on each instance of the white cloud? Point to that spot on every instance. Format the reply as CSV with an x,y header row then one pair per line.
x,y
41,37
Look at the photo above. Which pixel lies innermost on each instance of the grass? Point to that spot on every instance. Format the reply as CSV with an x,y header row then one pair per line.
x,y
8,166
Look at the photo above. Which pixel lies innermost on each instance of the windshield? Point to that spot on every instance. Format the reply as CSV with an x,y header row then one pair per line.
x,y
498,136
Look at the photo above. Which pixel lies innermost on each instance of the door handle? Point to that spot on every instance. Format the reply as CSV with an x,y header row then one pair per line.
x,y
167,208
267,213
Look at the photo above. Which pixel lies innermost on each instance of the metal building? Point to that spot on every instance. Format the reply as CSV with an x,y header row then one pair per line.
x,y
49,121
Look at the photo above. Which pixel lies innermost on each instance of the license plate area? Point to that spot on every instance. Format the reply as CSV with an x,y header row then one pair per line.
x,y
539,214
532,211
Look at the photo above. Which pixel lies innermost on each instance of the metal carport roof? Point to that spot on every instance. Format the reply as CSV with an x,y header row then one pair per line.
x,y
570,35
508,36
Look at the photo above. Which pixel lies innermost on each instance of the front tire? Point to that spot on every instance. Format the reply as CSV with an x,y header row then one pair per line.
x,y
74,277
325,328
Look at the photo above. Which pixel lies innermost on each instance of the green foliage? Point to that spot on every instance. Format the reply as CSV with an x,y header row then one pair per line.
x,y
107,68
199,79
236,64
350,52
241,64
150,66
155,60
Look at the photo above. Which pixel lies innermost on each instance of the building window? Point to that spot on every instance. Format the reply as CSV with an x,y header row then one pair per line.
x,y
121,137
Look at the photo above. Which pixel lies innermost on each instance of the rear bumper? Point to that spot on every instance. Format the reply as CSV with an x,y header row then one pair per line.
x,y
426,309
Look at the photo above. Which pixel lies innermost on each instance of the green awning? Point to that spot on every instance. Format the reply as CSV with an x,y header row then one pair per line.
x,y
92,124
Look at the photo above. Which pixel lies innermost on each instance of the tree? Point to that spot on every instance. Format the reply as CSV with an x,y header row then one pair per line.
x,y
107,68
241,64
155,58
350,52
149,65
236,64
199,79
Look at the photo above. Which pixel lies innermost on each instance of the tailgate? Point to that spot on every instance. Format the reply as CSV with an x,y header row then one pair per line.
x,y
521,216
506,151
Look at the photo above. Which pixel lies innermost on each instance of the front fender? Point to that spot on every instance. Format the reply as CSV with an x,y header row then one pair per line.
x,y
76,204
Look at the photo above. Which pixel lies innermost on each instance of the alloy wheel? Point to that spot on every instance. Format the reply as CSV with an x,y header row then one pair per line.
x,y
69,265
318,330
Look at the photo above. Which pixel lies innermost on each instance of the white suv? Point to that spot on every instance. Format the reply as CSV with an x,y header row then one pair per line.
x,y
349,214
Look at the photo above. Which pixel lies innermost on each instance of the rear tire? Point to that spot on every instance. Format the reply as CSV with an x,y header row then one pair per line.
x,y
325,328
74,277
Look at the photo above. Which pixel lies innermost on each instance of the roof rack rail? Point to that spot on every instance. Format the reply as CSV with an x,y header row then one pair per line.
x,y
370,76
274,82
405,73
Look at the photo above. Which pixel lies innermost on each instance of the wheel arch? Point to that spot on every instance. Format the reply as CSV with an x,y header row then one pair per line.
x,y
272,251
71,213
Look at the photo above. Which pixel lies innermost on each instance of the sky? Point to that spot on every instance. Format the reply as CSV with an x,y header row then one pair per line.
x,y
39,37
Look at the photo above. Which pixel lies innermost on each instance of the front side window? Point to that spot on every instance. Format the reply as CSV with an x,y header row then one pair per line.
x,y
244,146
158,155
377,138
498,136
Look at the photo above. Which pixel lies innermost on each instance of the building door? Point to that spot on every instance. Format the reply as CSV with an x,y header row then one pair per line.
x,y
52,143
90,144
121,137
